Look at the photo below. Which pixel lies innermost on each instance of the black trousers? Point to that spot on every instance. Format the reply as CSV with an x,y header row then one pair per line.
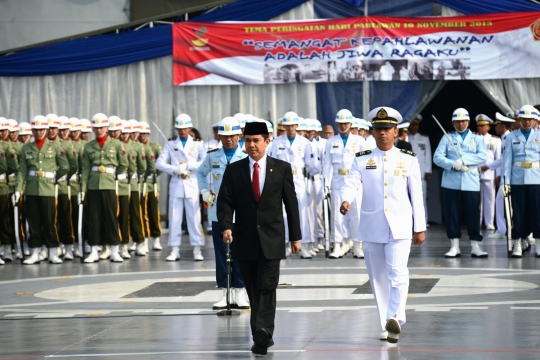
x,y
151,223
220,249
135,218
261,278
11,216
123,218
102,217
75,217
526,211
457,202
63,220
5,221
41,215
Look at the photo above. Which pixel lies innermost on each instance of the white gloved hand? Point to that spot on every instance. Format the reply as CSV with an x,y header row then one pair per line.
x,y
208,196
80,198
15,197
457,165
464,168
505,190
178,170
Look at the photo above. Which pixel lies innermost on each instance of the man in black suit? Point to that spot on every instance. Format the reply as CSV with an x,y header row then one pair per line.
x,y
401,143
254,189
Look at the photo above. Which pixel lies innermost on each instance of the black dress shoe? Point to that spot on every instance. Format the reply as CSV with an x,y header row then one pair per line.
x,y
271,343
258,350
261,338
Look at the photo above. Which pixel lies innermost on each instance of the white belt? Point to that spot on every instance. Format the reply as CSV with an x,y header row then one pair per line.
x,y
149,177
527,164
40,173
12,176
74,177
122,176
103,169
342,172
317,177
63,178
134,176
2,176
297,171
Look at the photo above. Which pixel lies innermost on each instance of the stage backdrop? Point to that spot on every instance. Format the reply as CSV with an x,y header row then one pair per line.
x,y
495,46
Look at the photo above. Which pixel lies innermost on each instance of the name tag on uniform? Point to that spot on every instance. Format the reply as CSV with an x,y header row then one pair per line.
x,y
91,152
516,142
215,166
29,153
281,148
175,149
371,164
335,146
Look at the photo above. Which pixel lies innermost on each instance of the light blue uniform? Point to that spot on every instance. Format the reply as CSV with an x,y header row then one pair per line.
x,y
473,152
519,150
215,163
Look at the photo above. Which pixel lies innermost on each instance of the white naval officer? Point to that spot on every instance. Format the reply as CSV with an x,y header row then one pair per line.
x,y
502,127
392,213
296,150
339,157
459,154
318,146
421,146
487,176
180,159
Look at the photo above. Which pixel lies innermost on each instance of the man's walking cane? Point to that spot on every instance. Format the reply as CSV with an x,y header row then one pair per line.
x,y
17,235
228,270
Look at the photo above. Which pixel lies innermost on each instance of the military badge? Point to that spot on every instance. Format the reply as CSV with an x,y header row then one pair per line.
x,y
371,164
216,176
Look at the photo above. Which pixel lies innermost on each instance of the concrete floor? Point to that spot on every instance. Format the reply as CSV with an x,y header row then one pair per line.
x,y
146,308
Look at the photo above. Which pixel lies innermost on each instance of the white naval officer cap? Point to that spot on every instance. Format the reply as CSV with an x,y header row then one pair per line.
x,y
364,125
404,126
417,120
501,118
460,114
528,112
384,117
483,119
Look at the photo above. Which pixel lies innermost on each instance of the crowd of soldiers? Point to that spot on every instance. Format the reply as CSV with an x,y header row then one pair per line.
x,y
63,196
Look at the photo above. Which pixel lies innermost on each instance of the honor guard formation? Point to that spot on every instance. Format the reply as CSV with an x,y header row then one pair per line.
x,y
65,196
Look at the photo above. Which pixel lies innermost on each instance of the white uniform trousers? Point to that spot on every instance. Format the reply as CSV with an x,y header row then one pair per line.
x,y
499,212
488,202
340,226
318,228
193,218
310,203
304,208
354,218
389,277
424,194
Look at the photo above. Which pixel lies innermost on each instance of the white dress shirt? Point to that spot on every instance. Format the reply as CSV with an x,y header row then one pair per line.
x,y
262,171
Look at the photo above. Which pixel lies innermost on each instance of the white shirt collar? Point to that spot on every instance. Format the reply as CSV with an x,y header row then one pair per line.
x,y
261,162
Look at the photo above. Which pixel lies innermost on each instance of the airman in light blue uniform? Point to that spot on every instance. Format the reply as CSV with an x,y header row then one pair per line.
x,y
461,181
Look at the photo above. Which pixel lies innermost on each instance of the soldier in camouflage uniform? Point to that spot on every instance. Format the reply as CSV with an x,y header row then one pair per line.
x,y
75,179
41,163
152,224
103,159
25,135
5,226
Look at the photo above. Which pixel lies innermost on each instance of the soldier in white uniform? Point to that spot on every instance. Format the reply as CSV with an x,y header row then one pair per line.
x,y
296,150
339,156
422,148
180,159
214,165
318,145
392,214
502,127
461,182
487,176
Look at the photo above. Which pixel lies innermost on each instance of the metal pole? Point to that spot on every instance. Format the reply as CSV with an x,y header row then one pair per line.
x,y
365,83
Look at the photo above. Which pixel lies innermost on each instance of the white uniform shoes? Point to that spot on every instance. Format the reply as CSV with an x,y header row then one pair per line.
x,y
115,256
125,253
53,256
197,254
525,245
69,252
174,255
157,245
454,249
34,258
43,255
288,251
476,250
358,250
383,336
7,253
517,252
94,255
140,251
496,236
304,252
240,298
221,304
337,253
106,253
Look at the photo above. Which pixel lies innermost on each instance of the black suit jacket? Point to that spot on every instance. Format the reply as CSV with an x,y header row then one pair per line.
x,y
404,145
258,226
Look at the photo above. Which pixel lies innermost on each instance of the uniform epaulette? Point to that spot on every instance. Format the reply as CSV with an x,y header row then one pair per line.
x,y
495,136
363,153
405,151
424,135
212,150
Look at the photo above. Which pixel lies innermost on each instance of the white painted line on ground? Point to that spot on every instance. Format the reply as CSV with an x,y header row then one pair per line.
x,y
171,353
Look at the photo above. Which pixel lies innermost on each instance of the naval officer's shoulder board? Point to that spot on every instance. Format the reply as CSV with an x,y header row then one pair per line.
x,y
408,152
360,153
212,150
